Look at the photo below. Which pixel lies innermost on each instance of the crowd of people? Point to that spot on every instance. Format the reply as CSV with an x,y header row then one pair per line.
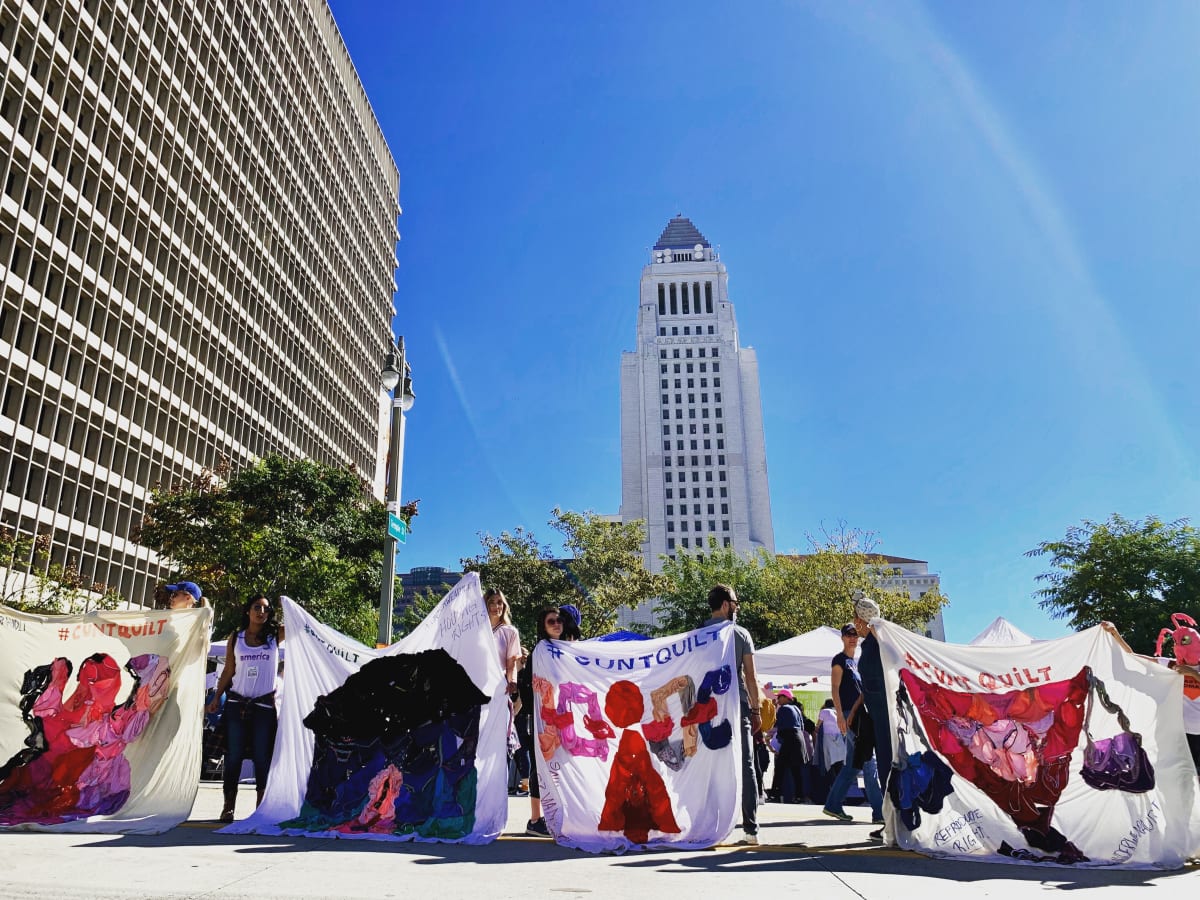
x,y
809,761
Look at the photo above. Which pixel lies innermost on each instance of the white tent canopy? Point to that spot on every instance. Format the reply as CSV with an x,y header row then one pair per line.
x,y
1001,633
803,656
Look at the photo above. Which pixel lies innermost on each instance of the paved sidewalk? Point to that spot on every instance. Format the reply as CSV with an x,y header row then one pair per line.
x,y
804,854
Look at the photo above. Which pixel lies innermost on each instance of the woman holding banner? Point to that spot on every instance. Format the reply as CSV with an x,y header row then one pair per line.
x,y
249,717
553,625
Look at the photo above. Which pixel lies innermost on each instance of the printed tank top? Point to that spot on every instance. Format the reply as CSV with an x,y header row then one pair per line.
x,y
255,667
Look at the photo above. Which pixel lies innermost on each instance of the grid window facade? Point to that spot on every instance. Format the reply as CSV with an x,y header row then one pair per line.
x,y
197,259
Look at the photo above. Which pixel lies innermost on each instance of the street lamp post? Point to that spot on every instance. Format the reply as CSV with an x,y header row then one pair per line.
x,y
397,380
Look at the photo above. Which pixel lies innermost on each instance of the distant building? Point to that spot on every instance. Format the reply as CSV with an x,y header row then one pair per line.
x,y
197,260
693,453
913,576
422,579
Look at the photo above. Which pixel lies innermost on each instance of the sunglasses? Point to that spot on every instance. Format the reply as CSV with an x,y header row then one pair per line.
x,y
258,607
553,620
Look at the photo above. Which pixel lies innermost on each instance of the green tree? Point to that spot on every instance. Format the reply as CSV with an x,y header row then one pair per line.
x,y
1133,573
683,604
782,596
34,583
279,526
602,574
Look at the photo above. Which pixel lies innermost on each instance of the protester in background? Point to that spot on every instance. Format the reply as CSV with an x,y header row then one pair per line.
x,y
870,669
550,627
855,723
795,747
831,750
572,619
762,750
723,602
248,682
185,595
523,725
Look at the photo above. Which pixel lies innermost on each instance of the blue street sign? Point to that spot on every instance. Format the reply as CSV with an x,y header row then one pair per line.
x,y
397,528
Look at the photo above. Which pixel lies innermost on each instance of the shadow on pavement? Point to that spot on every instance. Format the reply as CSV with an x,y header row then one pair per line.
x,y
867,859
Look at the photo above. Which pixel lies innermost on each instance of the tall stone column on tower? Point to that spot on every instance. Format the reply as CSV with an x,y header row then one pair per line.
x,y
693,452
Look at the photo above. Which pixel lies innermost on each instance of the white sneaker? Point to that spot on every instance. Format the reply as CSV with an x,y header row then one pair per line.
x,y
748,840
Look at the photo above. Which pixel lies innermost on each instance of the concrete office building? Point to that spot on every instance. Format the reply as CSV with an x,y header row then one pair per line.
x,y
197,259
693,454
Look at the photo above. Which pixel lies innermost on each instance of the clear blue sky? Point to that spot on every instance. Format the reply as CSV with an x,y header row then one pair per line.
x,y
963,239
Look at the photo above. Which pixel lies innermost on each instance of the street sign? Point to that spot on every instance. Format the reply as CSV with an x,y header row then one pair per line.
x,y
397,528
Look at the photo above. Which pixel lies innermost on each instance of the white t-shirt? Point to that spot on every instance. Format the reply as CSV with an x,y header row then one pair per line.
x,y
255,668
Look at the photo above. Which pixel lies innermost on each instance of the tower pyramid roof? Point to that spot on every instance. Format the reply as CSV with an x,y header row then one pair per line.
x,y
680,234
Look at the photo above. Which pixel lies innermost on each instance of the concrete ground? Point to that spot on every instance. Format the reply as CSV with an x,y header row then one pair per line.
x,y
803,854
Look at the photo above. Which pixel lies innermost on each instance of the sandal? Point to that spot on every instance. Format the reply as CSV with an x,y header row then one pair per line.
x,y
226,816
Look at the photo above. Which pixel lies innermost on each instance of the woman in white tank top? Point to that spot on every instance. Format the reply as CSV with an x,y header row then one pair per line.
x,y
249,677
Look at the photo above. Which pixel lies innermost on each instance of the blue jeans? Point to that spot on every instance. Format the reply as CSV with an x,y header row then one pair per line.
x,y
749,779
248,725
845,778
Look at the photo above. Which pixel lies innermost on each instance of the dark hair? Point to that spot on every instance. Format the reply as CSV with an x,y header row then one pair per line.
x,y
542,634
270,632
571,631
718,595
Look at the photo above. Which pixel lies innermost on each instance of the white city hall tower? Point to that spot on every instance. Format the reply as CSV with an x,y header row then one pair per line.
x,y
693,457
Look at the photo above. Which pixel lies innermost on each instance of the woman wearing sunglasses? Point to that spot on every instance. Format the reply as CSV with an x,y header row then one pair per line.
x,y
249,718
553,625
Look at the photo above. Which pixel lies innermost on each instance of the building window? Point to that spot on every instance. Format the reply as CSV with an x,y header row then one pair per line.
x,y
716,351
708,476
726,541
663,385
666,445
717,397
666,399
676,368
678,383
675,353
708,492
712,508
712,525
670,526
683,294
694,463
674,305
724,524
717,412
724,492
704,398
704,413
668,493
703,367
693,447
724,506
680,460
708,296
696,476
666,429
687,330
711,330
716,367
716,382
674,330
670,543
670,510
679,429
667,479
683,526
721,475
701,353
689,353
684,541
678,445
720,443
720,459
708,460
662,306
691,398
662,331
666,414
692,413
720,428
662,370
666,462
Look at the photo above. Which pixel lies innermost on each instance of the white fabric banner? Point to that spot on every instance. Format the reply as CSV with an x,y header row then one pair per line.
x,y
404,743
1069,751
637,743
100,719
